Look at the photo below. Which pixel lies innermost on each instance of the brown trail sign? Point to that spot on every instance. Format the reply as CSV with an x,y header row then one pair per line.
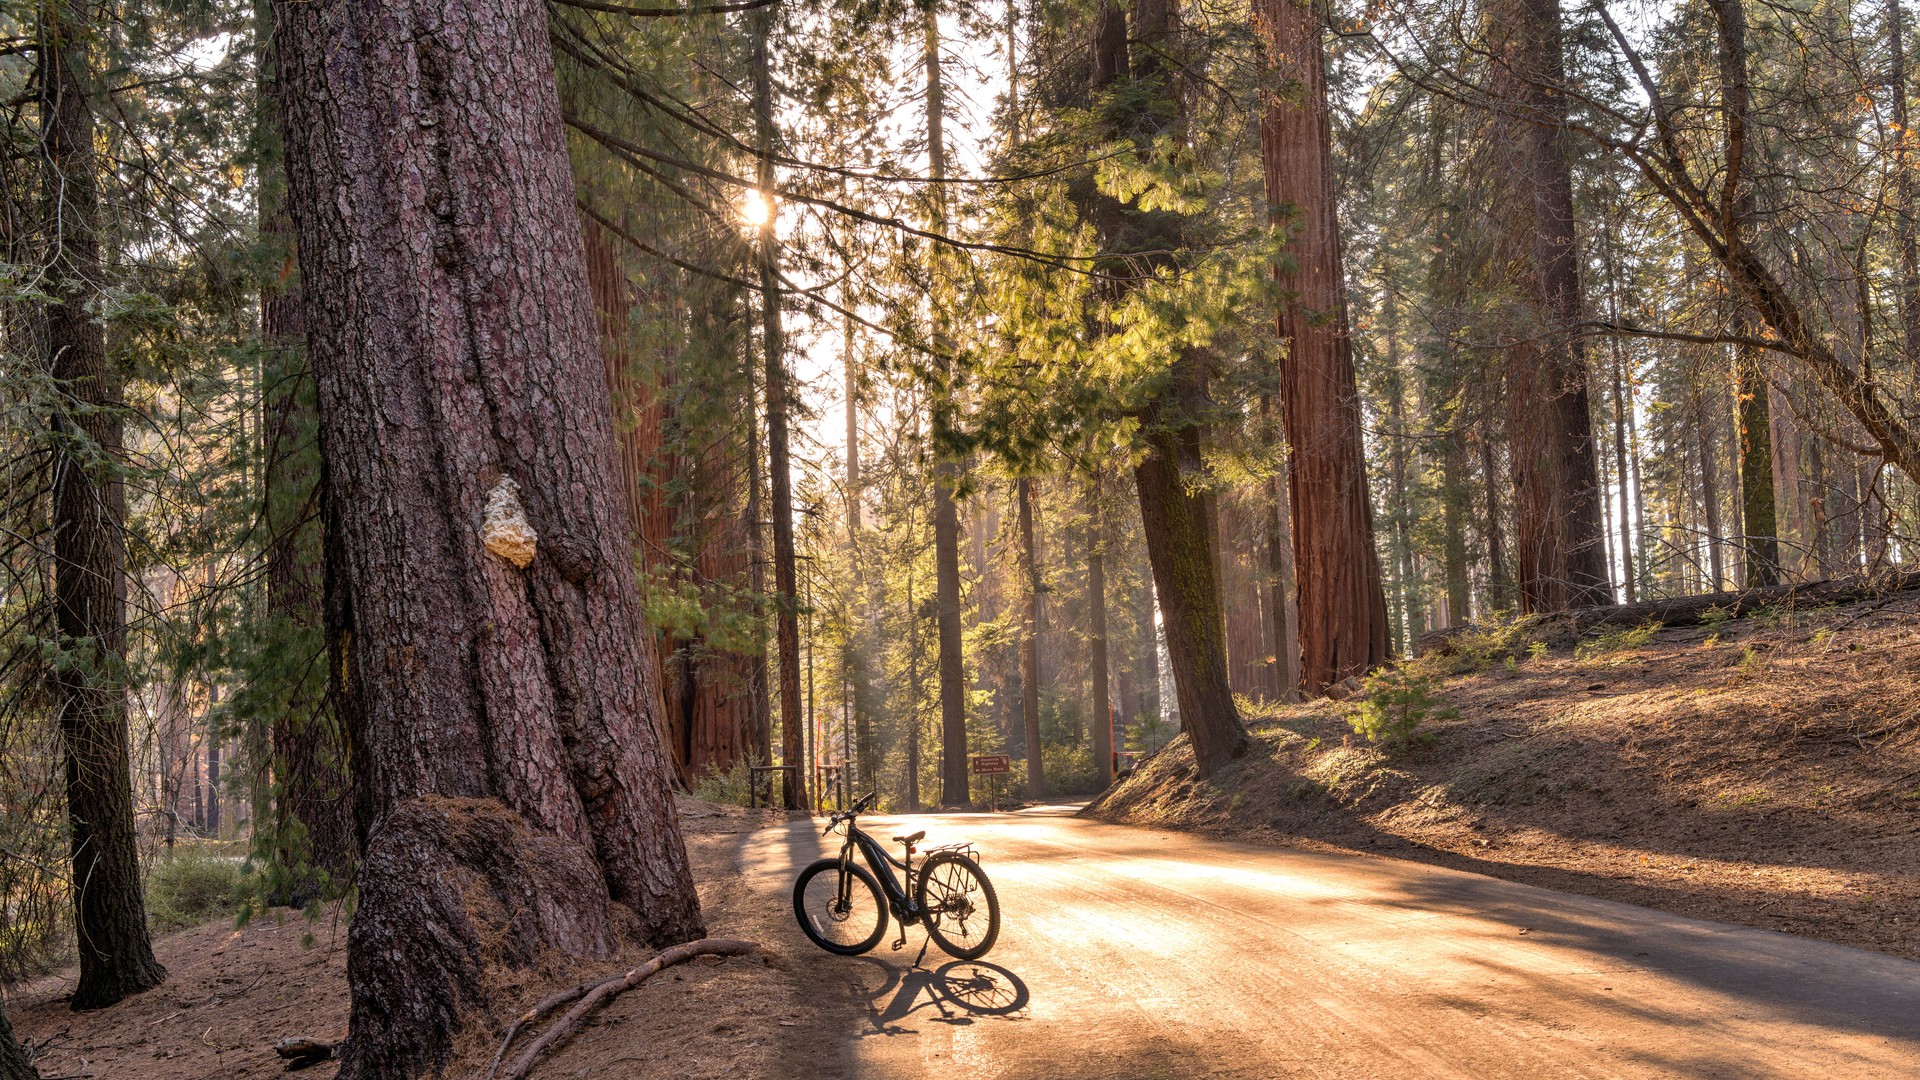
x,y
989,764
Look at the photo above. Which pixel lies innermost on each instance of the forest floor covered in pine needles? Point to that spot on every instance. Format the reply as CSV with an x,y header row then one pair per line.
x,y
1762,771
231,994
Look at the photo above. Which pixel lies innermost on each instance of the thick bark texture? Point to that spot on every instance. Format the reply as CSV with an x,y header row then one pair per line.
x,y
513,793
1561,541
946,473
13,1060
1343,610
89,545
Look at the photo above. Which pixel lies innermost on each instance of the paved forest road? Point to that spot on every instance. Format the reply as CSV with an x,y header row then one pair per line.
x,y
1134,953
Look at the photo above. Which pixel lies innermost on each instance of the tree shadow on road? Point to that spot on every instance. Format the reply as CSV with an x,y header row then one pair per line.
x,y
957,992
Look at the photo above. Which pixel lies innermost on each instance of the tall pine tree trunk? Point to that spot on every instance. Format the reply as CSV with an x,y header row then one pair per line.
x,y
946,473
1343,611
779,466
1561,542
514,796
1905,247
89,542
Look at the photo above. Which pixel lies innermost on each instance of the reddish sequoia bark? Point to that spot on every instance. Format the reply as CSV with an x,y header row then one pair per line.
x,y
89,544
1561,540
513,793
1343,610
707,719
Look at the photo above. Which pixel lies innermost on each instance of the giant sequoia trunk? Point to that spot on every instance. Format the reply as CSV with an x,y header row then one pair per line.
x,y
513,794
1343,611
89,545
1561,541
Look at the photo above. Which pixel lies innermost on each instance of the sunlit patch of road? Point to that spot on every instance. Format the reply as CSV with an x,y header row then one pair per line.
x,y
1135,953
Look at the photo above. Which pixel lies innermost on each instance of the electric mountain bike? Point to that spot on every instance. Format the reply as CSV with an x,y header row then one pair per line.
x,y
843,906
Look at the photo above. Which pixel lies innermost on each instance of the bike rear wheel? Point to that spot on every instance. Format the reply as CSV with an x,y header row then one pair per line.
x,y
960,909
840,909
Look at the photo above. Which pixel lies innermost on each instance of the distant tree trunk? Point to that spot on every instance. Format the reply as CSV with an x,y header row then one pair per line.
x,y
1499,581
913,705
1279,566
89,541
213,775
514,796
1030,643
1454,510
850,363
1562,544
1343,610
779,468
13,1060
1903,220
946,476
1709,451
761,690
1622,405
1101,714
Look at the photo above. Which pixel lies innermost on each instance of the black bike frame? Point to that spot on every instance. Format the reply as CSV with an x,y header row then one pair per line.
x,y
882,865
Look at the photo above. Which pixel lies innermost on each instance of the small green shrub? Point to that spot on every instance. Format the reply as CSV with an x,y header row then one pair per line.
x,y
1500,639
729,785
193,884
1392,705
1069,768
1614,641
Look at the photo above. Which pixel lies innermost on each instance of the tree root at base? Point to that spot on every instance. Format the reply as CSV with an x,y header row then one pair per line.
x,y
590,996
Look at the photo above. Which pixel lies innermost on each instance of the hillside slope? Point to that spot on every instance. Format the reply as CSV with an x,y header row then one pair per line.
x,y
1763,771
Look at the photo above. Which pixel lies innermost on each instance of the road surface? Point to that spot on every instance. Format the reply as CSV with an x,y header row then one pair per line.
x,y
1135,953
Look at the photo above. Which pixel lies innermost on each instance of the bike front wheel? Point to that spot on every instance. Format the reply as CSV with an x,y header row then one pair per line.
x,y
959,906
840,908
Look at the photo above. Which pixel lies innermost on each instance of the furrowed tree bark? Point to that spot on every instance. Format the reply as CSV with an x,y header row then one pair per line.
x,y
1343,611
779,468
1561,541
1903,223
89,542
13,1060
1030,642
946,470
514,798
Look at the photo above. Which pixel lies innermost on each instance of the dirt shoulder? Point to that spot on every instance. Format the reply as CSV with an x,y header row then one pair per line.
x,y
232,993
1762,771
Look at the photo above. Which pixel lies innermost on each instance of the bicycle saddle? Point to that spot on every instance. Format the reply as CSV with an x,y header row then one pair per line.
x,y
914,839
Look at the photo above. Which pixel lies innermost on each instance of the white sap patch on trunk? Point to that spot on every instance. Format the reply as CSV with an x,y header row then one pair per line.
x,y
506,529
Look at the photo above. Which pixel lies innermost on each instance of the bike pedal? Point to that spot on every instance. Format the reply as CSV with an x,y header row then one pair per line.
x,y
899,944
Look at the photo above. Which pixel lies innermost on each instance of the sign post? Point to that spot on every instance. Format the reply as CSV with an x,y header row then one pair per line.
x,y
994,765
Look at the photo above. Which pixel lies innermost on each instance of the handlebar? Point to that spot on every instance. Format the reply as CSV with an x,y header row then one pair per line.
x,y
866,803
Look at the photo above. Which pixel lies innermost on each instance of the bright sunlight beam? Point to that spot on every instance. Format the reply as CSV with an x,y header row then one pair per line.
x,y
755,209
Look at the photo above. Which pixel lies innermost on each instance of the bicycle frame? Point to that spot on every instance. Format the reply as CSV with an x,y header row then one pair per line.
x,y
882,864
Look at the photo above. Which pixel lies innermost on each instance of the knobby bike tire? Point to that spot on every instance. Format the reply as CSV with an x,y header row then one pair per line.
x,y
936,873
864,891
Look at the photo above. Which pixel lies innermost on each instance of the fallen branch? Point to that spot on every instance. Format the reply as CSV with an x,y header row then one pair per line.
x,y
1691,610
591,996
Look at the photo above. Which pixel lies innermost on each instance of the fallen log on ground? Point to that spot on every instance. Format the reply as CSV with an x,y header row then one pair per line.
x,y
593,995
1692,610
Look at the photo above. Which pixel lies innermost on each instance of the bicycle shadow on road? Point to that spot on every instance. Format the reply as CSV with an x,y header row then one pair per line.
x,y
958,992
